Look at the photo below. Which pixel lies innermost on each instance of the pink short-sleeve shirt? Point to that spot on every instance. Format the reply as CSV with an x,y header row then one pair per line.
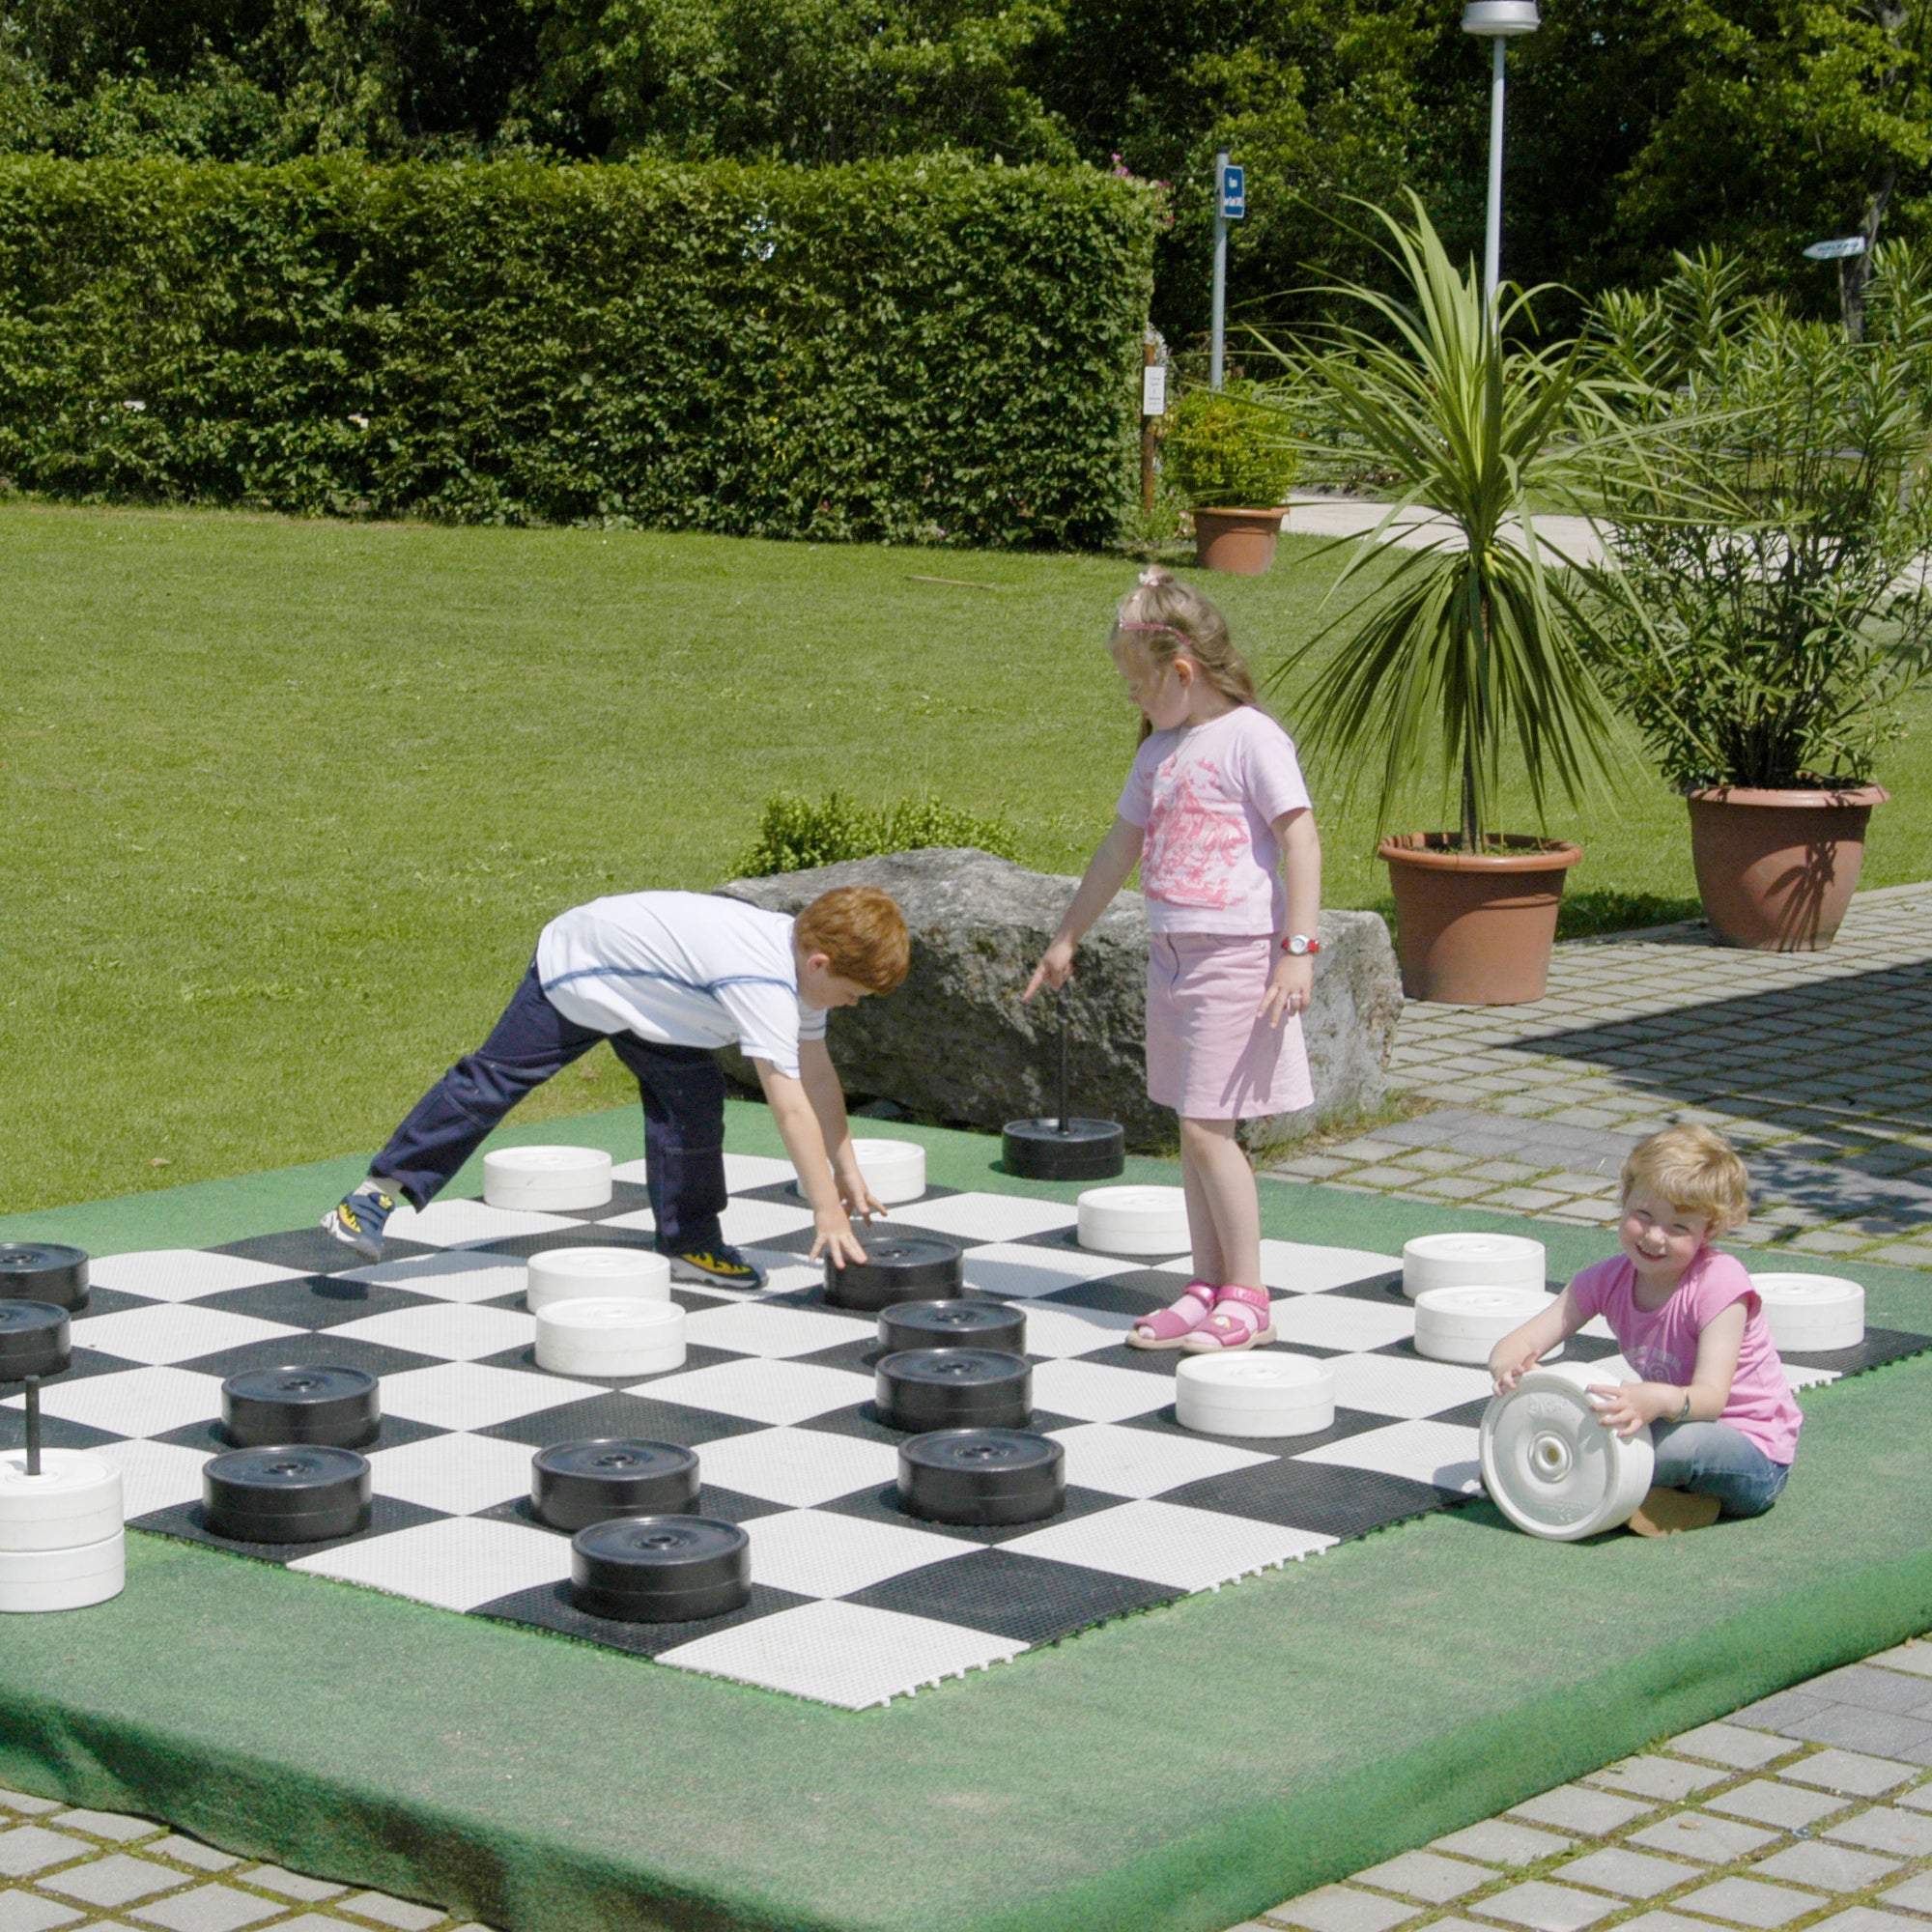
x,y
1661,1344
1207,796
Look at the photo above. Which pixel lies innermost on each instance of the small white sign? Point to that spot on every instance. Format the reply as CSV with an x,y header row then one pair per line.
x,y
1833,251
1153,391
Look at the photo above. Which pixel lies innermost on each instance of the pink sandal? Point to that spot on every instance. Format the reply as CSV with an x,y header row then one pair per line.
x,y
1171,1327
1242,1319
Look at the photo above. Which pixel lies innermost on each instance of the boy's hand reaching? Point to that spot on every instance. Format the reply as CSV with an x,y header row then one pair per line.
x,y
1054,969
833,1239
859,1198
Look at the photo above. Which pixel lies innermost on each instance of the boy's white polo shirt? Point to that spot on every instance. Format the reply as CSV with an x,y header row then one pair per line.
x,y
684,969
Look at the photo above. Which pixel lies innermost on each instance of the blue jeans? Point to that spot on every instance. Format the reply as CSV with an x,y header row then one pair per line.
x,y
1712,1459
682,1088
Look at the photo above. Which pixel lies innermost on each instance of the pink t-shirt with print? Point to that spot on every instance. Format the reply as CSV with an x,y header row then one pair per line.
x,y
1661,1344
1207,796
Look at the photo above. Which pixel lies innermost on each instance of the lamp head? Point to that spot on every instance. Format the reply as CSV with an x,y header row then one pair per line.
x,y
1501,19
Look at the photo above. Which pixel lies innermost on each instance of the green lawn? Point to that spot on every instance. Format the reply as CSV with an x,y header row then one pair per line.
x,y
287,801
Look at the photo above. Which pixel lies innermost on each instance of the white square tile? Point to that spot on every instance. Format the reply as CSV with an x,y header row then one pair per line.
x,y
1339,1321
819,1555
1096,1393
182,1274
1061,1330
174,1332
459,1474
989,1217
446,1224
1299,1268
135,1402
756,1328
843,1654
1804,1378
470,1395
746,1223
1441,1453
788,1272
456,1333
1394,1385
153,1475
1015,1269
1143,1463
458,1563
456,1276
798,1467
1162,1542
763,1391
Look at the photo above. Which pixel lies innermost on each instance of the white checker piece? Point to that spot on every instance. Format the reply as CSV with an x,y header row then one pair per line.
x,y
798,1467
182,1275
844,1654
136,1401
1093,1392
471,1395
1163,1542
1064,1331
756,1328
153,1475
815,1553
457,1334
762,1391
1340,1322
989,1217
457,1276
457,1474
1142,1462
1393,1385
1295,1267
1441,1453
1012,1268
457,1563
173,1333
450,1224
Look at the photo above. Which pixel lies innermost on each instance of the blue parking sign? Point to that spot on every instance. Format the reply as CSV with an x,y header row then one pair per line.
x,y
1234,192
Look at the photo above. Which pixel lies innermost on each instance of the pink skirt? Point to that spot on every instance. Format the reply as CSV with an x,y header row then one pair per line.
x,y
1208,1055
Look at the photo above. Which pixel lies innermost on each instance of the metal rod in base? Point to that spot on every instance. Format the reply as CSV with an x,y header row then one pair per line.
x,y
33,1425
1063,1032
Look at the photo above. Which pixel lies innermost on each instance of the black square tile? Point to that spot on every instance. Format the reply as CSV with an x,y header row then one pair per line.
x,y
115,1301
1466,1414
1066,1242
1030,1598
624,1415
863,1421
185,1521
395,1431
786,1194
317,1301
315,1350
881,1504
1133,1292
316,1252
1325,1497
549,1607
524,1357
861,1357
56,1432
588,1235
799,1241
627,1197
1348,1422
1382,1289
719,1504
82,1365
1879,1346
1590,1348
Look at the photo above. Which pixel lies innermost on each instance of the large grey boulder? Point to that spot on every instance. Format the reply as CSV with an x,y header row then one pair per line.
x,y
954,1042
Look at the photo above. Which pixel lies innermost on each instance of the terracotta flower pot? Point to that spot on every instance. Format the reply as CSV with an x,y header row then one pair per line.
x,y
1241,541
1777,869
1475,929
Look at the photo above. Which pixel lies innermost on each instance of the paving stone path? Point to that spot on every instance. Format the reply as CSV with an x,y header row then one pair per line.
x,y
1818,1065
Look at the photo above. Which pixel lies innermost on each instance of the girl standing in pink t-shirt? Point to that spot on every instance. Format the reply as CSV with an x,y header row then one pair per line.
x,y
1216,814
1689,1323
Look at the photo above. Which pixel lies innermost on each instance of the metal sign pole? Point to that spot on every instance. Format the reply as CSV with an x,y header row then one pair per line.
x,y
1220,270
1493,237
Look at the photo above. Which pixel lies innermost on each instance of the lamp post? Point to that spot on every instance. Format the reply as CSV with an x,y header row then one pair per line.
x,y
1496,21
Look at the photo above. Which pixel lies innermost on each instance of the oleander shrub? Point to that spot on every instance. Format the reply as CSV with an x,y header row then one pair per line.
x,y
911,350
796,832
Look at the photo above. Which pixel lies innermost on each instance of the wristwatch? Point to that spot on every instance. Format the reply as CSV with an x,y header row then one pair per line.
x,y
1298,945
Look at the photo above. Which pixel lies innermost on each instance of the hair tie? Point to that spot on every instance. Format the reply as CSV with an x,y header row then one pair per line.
x,y
1150,575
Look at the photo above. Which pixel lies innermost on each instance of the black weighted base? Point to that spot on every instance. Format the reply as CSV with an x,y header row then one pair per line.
x,y
290,1493
576,1484
982,1476
35,1340
44,1272
952,1324
921,1389
340,1407
661,1568
1081,1150
895,1271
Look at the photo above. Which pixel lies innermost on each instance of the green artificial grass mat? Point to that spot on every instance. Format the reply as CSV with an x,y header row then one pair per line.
x,y
287,801
1172,1772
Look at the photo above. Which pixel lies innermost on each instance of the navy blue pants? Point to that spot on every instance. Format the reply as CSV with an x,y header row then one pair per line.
x,y
682,1088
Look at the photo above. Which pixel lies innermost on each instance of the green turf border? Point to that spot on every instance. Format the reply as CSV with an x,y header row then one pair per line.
x,y
1177,1770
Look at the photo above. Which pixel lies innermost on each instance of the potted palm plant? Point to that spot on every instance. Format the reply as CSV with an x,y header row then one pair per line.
x,y
1233,463
1762,642
1465,645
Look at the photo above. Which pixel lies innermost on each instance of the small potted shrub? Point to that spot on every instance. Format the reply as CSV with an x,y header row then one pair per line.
x,y
1232,462
1762,638
1466,647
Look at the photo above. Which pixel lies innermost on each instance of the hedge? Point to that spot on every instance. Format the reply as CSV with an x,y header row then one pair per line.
x,y
923,351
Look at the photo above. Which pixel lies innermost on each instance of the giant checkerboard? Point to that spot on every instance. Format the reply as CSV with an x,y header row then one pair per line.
x,y
853,1602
